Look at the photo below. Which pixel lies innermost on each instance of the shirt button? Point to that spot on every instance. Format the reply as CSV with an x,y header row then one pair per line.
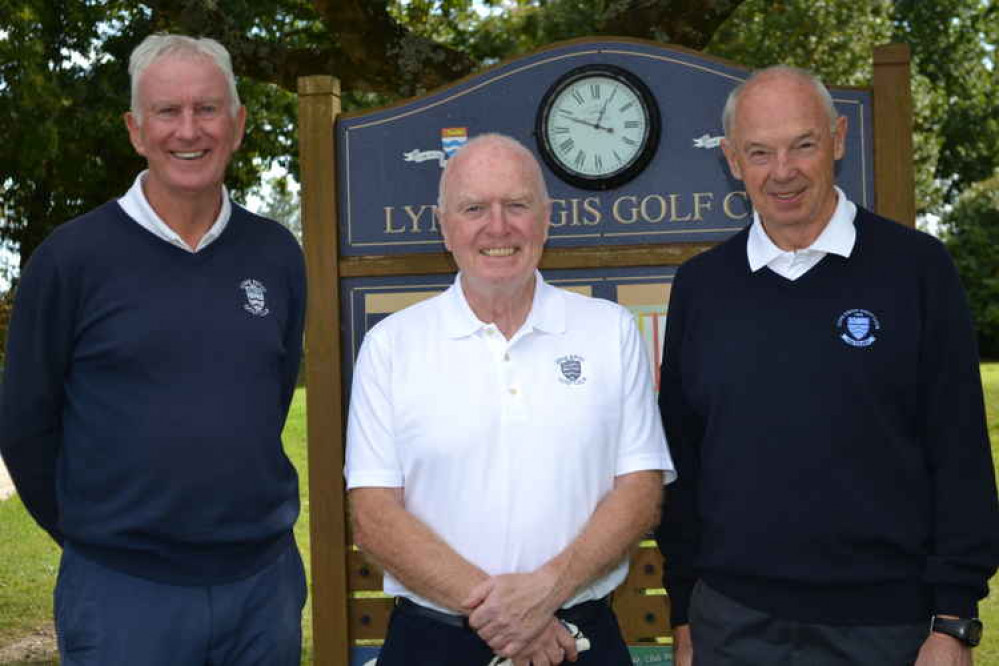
x,y
513,391
506,357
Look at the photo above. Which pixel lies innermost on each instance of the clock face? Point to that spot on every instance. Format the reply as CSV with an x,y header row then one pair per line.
x,y
598,127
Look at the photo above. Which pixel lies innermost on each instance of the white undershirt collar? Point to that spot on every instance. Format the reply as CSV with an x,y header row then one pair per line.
x,y
838,237
137,207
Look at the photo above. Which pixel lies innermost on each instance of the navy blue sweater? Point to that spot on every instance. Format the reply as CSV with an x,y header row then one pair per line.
x,y
829,435
145,392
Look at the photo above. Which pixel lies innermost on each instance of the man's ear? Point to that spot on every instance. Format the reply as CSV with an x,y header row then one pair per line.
x,y
134,133
240,128
443,228
839,138
731,158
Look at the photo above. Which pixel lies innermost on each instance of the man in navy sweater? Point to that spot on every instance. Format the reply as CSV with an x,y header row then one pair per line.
x,y
152,357
836,501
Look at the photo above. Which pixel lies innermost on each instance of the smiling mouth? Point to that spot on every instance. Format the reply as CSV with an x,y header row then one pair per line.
x,y
786,196
498,251
190,155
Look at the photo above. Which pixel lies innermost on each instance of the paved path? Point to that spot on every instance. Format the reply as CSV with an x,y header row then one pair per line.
x,y
6,486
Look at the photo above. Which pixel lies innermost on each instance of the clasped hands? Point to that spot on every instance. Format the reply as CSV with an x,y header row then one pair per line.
x,y
515,615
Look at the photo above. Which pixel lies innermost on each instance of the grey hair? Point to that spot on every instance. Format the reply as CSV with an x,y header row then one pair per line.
x,y
162,45
728,115
505,141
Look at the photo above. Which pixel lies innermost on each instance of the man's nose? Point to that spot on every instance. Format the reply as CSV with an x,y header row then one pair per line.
x,y
497,218
785,168
187,127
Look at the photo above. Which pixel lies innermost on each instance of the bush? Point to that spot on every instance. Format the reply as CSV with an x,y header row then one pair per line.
x,y
6,305
971,232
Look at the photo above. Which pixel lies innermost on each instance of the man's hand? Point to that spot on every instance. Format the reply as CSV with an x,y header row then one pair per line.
x,y
552,646
510,611
683,648
942,650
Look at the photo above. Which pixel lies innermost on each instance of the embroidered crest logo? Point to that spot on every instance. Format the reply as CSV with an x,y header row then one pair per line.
x,y
857,327
570,369
256,303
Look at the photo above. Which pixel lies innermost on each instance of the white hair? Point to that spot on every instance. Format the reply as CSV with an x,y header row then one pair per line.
x,y
161,45
728,114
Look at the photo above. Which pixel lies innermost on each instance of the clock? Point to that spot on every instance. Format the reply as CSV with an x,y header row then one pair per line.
x,y
598,126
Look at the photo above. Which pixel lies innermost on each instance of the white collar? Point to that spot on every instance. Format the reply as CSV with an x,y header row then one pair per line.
x,y
137,207
547,310
838,237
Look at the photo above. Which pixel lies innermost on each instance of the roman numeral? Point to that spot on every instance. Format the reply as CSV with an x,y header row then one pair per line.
x,y
626,107
578,96
566,145
580,159
595,90
632,124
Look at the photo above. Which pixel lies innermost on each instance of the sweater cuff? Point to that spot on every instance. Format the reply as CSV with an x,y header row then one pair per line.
x,y
679,601
955,600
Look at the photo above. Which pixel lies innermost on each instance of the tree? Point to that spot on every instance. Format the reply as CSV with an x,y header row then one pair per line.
x,y
64,84
63,79
955,84
971,232
281,204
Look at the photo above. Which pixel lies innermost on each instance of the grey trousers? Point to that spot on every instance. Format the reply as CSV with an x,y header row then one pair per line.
x,y
727,633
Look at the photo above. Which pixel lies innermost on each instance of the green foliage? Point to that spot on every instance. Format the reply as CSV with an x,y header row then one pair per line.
x,y
954,52
29,560
6,305
955,83
64,88
64,85
282,205
972,236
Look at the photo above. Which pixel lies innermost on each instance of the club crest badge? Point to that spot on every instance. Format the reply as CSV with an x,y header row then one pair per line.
x,y
857,327
570,370
452,138
256,303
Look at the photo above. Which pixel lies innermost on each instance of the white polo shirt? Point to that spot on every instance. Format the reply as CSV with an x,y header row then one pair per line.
x,y
505,447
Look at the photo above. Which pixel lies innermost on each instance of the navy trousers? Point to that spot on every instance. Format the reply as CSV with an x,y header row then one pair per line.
x,y
107,618
416,640
727,633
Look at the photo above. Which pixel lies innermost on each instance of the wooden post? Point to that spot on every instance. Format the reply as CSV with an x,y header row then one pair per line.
x,y
318,107
894,180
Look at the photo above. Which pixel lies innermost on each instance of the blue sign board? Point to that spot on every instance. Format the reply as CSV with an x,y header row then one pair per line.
x,y
390,160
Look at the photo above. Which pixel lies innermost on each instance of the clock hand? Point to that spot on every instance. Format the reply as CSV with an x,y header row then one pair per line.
x,y
604,107
589,124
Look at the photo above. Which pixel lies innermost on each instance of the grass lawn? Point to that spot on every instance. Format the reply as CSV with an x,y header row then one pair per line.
x,y
28,559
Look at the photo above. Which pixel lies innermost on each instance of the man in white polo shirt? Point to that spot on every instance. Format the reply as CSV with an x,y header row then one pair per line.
x,y
504,450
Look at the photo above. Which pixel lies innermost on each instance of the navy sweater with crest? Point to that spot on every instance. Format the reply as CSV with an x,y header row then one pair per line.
x,y
829,435
145,391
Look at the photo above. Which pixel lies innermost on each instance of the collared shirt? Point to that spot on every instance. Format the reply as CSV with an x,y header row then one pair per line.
x,y
505,447
838,237
137,207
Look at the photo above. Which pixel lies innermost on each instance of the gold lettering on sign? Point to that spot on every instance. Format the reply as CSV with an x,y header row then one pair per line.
x,y
699,204
592,207
417,215
389,216
558,218
654,208
576,212
630,214
727,205
674,200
